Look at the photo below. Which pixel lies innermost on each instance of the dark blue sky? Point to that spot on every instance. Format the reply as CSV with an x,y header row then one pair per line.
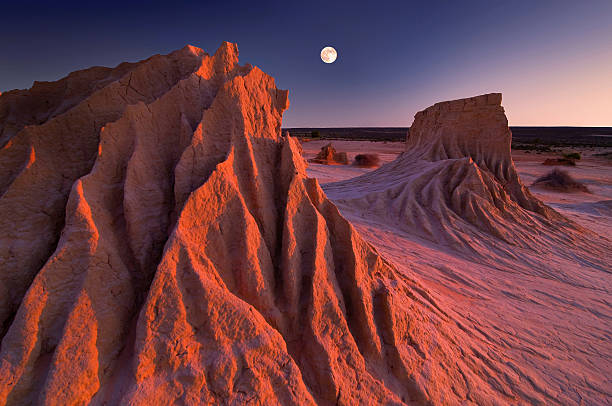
x,y
551,59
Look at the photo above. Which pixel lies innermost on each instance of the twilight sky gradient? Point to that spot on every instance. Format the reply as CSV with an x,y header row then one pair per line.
x,y
552,60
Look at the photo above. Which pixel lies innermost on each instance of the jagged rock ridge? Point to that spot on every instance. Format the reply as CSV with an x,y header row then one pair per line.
x,y
160,243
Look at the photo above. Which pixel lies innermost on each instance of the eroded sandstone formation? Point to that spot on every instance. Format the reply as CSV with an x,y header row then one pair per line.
x,y
456,184
161,244
329,156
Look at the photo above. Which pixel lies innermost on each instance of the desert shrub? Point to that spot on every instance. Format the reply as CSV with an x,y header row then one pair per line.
x,y
531,147
558,161
366,160
572,155
560,180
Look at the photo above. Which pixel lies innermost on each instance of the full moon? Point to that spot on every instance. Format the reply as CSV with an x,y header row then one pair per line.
x,y
328,54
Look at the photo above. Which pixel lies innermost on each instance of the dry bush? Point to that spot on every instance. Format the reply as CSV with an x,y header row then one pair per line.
x,y
573,155
559,161
560,180
367,160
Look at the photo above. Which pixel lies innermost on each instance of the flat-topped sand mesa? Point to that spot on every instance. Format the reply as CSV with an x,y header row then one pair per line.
x,y
473,131
160,244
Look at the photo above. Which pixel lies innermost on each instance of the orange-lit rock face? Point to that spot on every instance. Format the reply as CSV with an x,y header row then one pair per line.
x,y
329,156
160,243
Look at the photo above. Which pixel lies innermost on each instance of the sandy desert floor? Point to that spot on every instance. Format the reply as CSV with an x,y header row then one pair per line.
x,y
549,314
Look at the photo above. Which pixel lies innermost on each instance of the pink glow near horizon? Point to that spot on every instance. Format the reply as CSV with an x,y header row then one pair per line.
x,y
561,92
574,97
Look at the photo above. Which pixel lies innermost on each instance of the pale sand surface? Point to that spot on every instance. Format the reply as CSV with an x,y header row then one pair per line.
x,y
387,151
551,315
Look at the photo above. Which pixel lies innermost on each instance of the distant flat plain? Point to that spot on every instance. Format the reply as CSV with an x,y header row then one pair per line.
x,y
559,136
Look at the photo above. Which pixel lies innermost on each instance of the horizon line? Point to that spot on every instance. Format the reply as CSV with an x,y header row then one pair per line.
x,y
401,127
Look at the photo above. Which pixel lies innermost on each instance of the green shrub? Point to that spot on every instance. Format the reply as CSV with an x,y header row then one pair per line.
x,y
315,134
531,147
572,155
